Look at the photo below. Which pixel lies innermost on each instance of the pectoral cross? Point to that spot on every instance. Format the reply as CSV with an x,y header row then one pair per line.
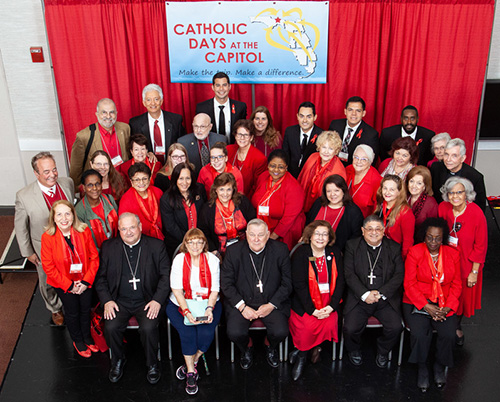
x,y
134,281
260,286
372,277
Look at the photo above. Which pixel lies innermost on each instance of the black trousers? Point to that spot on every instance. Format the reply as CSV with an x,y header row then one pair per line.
x,y
148,331
355,323
421,328
237,327
77,314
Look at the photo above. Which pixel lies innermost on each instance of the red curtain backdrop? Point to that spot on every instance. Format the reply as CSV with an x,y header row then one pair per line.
x,y
431,54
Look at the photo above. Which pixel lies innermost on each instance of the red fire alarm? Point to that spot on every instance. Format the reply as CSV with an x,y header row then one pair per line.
x,y
37,54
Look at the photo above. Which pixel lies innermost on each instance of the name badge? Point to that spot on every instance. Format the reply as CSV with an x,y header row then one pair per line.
x,y
264,210
75,268
231,241
202,292
117,161
453,241
344,156
160,150
324,288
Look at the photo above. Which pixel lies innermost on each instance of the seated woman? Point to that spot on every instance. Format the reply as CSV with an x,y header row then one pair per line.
x,y
194,276
97,210
267,138
432,288
363,180
279,200
176,154
438,145
404,152
139,151
336,207
399,221
143,200
219,164
112,181
70,260
318,283
180,206
224,218
420,199
320,165
244,156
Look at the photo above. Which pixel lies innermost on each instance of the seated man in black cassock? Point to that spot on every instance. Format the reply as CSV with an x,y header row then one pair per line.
x,y
256,282
374,272
133,280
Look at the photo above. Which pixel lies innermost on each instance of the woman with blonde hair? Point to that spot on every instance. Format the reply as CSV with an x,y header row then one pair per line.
x,y
176,154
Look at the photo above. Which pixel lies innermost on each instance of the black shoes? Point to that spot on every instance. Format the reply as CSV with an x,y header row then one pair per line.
x,y
293,355
116,371
460,340
439,377
246,359
356,358
423,377
298,367
272,357
381,360
153,374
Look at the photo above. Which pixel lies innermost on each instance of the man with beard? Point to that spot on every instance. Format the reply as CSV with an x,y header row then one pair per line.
x,y
107,135
408,128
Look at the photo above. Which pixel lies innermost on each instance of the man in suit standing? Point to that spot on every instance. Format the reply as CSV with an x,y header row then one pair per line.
x,y
223,111
256,282
107,135
33,204
199,142
374,272
133,280
160,127
300,140
354,131
408,128
453,165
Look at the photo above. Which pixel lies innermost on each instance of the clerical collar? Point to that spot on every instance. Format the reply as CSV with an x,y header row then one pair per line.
x,y
47,190
373,247
257,252
457,172
133,245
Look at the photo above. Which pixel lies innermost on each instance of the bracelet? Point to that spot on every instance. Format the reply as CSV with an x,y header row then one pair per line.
x,y
243,309
475,272
209,307
185,312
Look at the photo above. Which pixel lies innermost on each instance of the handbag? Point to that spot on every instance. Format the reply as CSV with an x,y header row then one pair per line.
x,y
197,308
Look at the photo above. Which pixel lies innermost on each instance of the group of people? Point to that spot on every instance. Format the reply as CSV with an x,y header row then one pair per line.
x,y
296,232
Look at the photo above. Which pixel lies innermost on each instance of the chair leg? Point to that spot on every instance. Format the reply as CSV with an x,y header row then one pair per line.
x,y
169,335
281,351
401,342
286,349
334,351
159,352
217,342
232,352
341,352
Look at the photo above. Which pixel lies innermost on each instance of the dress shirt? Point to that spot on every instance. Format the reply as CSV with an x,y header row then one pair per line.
x,y
227,117
412,135
161,124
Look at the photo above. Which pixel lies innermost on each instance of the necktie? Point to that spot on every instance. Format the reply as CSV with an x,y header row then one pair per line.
x,y
158,140
51,193
222,121
303,144
345,144
205,154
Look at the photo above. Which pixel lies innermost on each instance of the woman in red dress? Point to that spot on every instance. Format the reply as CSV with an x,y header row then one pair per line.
x,y
267,138
363,180
320,165
143,200
244,156
279,200
318,283
399,221
112,181
469,233
404,152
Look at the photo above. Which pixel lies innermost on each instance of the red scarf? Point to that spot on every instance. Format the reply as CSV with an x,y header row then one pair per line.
x,y
97,228
314,286
228,218
315,183
437,291
229,224
73,257
386,212
264,201
150,212
215,173
205,276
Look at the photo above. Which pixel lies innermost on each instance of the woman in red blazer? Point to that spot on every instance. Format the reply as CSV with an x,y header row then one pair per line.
x,y
70,260
432,288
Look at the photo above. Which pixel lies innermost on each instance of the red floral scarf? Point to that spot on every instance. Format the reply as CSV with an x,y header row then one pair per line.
x,y
205,275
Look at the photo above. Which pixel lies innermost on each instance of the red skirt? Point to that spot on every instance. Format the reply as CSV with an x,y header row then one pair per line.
x,y
470,299
307,331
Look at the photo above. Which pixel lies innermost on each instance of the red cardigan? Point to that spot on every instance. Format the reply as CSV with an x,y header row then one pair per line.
x,y
403,230
253,166
364,194
418,280
56,262
205,177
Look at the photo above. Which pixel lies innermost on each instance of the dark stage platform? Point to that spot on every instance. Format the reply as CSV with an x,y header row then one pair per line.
x,y
45,366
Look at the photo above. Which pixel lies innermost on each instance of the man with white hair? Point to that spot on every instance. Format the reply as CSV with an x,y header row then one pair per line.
x,y
453,165
160,127
106,135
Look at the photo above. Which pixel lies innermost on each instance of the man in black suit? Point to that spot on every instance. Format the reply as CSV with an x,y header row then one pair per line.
x,y
354,131
133,280
374,272
453,165
199,142
223,111
408,128
300,140
256,282
160,127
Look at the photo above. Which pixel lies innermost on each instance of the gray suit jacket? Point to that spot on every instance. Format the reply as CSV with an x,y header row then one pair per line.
x,y
190,143
32,215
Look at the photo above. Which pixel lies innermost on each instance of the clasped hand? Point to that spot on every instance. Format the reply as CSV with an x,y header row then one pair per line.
x,y
78,288
323,313
437,313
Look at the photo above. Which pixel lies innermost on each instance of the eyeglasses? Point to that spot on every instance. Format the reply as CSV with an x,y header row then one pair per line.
x,y
362,160
376,230
437,239
454,193
178,157
100,165
442,148
276,167
242,135
195,243
202,128
318,234
217,158
124,230
142,180
93,185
